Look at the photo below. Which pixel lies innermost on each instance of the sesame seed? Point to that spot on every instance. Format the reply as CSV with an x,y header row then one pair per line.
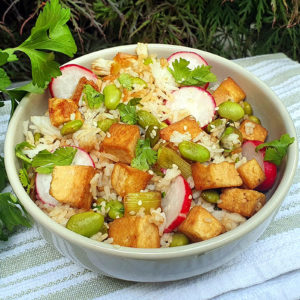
x,y
140,202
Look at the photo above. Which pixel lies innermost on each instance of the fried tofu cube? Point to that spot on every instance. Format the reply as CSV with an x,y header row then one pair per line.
x,y
200,225
228,90
188,124
71,185
121,141
213,176
125,179
253,131
133,231
60,111
252,174
242,201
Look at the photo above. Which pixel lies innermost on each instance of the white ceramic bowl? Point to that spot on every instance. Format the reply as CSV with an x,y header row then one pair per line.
x,y
155,265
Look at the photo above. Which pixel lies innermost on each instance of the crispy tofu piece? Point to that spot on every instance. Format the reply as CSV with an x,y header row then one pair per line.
x,y
200,225
60,111
251,174
242,201
253,131
214,176
80,86
125,179
133,231
188,124
71,185
121,141
228,90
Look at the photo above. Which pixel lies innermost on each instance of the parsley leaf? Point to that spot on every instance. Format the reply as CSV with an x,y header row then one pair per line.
x,y
45,161
145,156
183,75
4,80
93,98
3,177
24,178
19,151
127,113
12,214
277,149
134,101
127,81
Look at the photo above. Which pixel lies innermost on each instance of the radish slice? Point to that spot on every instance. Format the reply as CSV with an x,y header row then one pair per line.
x,y
192,100
177,202
270,169
64,85
43,181
194,59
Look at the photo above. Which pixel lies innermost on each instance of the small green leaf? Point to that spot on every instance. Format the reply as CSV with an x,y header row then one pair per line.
x,y
3,58
125,81
3,175
4,80
24,178
93,98
19,151
134,101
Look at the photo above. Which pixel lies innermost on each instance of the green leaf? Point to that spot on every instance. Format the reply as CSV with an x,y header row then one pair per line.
x,y
134,101
183,75
45,161
127,113
8,56
277,149
12,214
24,178
3,175
19,151
145,156
126,81
4,80
93,98
30,88
3,58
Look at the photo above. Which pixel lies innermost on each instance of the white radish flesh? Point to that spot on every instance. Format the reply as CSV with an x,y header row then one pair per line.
x,y
176,204
248,150
192,100
64,85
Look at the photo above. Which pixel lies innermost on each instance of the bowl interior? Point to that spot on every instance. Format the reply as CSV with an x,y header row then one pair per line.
x,y
265,105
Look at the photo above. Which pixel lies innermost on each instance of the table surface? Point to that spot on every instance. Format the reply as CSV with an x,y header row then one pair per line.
x,y
30,268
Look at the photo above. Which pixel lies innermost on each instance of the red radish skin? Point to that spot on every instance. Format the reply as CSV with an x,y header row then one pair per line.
x,y
270,169
195,60
64,85
195,101
176,204
43,181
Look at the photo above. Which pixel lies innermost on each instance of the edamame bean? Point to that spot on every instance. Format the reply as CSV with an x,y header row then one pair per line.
x,y
112,96
179,239
86,223
211,196
116,209
213,124
193,151
145,118
105,124
231,110
152,133
71,127
247,108
139,81
254,119
231,138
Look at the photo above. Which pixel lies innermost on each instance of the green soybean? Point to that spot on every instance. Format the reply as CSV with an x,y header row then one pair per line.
x,y
71,127
105,124
231,138
112,96
254,119
179,239
213,124
247,108
231,110
116,209
193,151
86,223
139,81
152,133
211,196
145,119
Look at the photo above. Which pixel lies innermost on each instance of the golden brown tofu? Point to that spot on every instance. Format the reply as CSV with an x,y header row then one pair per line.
x,y
188,124
60,111
135,232
241,201
121,141
125,179
228,90
251,174
71,185
215,175
200,225
253,131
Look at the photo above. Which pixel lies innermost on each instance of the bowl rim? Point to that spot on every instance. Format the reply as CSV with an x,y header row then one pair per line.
x,y
160,253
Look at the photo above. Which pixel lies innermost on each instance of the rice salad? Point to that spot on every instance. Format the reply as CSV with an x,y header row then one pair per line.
x,y
141,152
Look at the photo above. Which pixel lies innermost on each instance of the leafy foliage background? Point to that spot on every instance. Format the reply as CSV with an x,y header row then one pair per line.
x,y
230,28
